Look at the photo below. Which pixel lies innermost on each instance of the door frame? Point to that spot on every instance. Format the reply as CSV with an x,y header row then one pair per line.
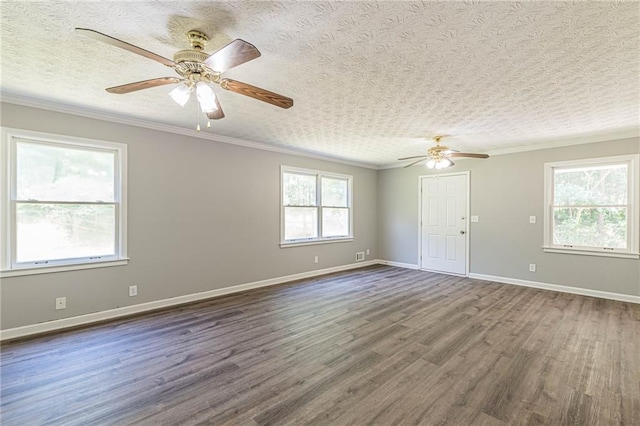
x,y
467,174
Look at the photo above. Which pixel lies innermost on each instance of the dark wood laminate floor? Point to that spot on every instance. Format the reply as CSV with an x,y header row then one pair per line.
x,y
379,345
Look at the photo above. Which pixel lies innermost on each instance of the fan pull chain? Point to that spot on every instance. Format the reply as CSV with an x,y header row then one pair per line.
x,y
197,118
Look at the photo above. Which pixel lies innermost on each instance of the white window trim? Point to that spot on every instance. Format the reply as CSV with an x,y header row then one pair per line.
x,y
319,240
633,251
8,268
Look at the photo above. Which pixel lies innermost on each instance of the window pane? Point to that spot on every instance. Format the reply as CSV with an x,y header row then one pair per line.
x,y
300,222
299,190
590,227
64,231
335,222
53,173
591,186
334,192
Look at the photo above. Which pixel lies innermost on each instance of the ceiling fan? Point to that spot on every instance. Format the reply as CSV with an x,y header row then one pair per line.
x,y
439,156
196,70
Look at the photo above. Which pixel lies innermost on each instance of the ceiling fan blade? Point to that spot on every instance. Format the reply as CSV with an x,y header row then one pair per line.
x,y
256,93
140,85
218,113
415,162
467,154
124,45
415,156
233,54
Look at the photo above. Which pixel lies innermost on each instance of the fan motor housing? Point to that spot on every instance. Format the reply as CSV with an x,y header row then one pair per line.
x,y
190,56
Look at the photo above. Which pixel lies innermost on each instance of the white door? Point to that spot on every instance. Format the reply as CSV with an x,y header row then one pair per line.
x,y
443,238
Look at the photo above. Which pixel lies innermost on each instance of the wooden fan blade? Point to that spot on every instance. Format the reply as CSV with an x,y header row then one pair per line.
x,y
217,114
467,154
140,85
415,156
233,54
124,45
415,162
256,93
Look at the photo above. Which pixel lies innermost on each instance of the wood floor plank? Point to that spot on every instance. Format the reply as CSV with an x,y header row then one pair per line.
x,y
377,345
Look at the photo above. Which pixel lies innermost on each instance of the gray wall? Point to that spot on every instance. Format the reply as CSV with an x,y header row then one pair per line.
x,y
205,215
505,191
202,215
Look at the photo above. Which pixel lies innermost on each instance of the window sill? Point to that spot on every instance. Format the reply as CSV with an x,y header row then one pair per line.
x,y
585,252
314,242
61,268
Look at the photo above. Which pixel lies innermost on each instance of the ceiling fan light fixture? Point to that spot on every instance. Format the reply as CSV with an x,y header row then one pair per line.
x,y
443,163
206,97
439,163
181,94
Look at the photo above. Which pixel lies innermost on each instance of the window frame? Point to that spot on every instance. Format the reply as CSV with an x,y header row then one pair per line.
x,y
633,199
8,199
318,176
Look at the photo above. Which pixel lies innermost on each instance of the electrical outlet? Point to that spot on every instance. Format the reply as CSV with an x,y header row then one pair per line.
x,y
133,290
61,303
532,267
315,259
368,252
474,219
359,256
532,219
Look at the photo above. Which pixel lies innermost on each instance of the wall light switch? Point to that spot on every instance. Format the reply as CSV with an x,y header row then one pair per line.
x,y
532,219
474,219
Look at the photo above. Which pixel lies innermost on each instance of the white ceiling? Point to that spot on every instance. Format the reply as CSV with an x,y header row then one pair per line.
x,y
369,79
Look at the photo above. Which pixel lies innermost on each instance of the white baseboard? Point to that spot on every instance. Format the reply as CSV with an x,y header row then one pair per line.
x,y
86,319
398,264
560,288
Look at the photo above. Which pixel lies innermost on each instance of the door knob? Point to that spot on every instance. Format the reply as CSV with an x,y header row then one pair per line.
x,y
461,232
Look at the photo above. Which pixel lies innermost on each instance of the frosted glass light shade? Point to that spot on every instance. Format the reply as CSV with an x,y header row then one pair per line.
x,y
206,97
181,94
441,163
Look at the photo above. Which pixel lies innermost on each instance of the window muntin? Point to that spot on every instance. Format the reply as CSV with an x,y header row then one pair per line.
x,y
63,203
316,206
592,206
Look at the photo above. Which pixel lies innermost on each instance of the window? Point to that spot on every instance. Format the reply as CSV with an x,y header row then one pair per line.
x,y
591,206
316,206
63,203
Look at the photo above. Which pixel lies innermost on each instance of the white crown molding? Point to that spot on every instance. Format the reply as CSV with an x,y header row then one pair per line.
x,y
586,138
550,143
113,118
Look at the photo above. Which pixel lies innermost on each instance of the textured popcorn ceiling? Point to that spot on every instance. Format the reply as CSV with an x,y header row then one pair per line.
x,y
368,78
